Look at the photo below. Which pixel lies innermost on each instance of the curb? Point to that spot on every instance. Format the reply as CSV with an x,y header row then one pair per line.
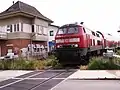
x,y
94,78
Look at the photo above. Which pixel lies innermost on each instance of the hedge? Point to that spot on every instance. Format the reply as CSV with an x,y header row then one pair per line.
x,y
25,64
100,63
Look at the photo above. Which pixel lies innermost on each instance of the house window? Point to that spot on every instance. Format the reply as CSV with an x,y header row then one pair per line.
x,y
32,28
40,30
9,28
44,30
51,33
21,26
37,28
14,27
17,27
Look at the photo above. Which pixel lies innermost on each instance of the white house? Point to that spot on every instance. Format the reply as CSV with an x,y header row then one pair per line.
x,y
52,30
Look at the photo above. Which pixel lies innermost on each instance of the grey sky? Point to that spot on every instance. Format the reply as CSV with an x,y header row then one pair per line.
x,y
102,15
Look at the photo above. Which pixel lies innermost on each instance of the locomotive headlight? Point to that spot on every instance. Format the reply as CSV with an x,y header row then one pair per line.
x,y
59,41
59,46
76,45
74,40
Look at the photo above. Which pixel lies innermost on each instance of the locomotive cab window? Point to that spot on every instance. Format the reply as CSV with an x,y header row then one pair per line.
x,y
84,30
97,35
72,30
62,31
93,33
68,30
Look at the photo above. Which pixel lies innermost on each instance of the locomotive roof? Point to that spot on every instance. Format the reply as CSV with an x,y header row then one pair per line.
x,y
69,25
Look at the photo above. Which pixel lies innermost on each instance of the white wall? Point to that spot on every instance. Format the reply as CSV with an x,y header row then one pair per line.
x,y
54,29
50,38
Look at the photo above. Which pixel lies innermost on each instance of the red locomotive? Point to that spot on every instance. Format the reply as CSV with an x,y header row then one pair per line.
x,y
76,43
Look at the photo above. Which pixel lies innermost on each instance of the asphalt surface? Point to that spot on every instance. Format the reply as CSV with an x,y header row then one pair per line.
x,y
88,85
37,80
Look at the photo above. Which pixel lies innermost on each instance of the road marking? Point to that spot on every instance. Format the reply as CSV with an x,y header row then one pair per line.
x,y
31,78
61,82
36,78
47,80
21,79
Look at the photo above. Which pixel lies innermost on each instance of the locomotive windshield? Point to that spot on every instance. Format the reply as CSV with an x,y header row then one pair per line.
x,y
62,31
68,30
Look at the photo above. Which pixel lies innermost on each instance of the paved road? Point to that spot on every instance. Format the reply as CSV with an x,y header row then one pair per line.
x,y
37,80
88,85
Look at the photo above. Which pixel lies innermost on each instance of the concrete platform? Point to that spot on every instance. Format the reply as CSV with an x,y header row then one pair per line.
x,y
96,74
7,74
88,85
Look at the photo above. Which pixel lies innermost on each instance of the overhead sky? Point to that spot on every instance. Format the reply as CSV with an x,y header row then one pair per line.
x,y
101,15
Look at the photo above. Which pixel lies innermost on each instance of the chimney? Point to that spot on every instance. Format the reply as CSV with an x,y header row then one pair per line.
x,y
13,2
81,22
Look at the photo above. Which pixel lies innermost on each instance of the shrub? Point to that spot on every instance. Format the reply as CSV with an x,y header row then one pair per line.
x,y
102,64
118,52
25,64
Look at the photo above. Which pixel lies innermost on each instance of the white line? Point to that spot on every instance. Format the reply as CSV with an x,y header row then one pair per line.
x,y
11,83
61,82
31,78
21,79
64,70
56,70
46,81
59,78
36,78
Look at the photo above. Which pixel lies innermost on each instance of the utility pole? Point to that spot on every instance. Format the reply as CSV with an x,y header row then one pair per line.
x,y
31,37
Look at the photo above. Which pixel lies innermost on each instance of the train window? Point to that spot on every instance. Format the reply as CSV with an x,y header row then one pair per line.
x,y
93,42
72,30
97,35
93,33
84,30
98,42
62,31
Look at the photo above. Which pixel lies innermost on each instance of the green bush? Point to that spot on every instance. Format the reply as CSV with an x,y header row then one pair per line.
x,y
25,64
53,63
118,52
102,64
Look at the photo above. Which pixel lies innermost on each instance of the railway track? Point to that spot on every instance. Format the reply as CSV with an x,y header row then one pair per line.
x,y
37,80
